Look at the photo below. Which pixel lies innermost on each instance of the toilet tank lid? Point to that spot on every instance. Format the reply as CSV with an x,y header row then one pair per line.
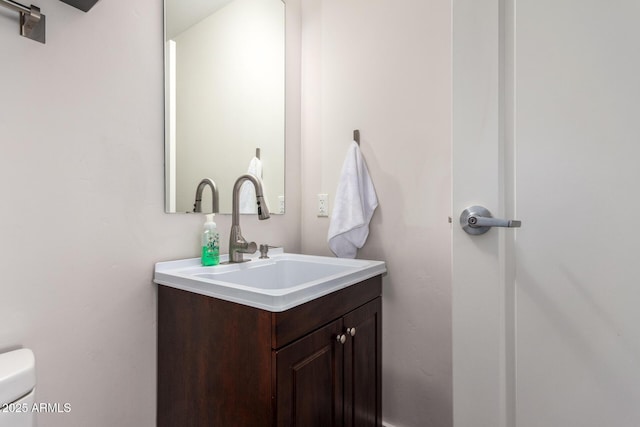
x,y
17,374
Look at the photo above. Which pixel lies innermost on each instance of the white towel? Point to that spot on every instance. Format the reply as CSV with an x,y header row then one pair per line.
x,y
247,191
353,207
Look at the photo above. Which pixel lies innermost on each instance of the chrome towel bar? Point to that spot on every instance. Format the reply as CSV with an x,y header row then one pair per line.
x,y
32,22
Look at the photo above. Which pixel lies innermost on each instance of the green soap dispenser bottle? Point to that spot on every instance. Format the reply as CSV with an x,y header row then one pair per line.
x,y
210,242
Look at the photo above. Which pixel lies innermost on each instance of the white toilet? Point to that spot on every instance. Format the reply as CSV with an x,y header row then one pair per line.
x,y
17,388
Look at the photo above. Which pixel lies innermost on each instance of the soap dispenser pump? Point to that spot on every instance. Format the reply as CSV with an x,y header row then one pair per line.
x,y
210,242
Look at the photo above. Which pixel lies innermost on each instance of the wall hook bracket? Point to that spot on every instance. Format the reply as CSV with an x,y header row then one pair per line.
x,y
32,22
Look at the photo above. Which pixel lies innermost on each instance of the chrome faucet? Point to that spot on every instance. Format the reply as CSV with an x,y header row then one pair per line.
x,y
237,244
215,202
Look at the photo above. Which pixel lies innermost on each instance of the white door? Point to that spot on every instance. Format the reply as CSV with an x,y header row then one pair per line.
x,y
546,318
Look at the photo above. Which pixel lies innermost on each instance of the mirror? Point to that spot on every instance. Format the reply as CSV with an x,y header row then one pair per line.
x,y
224,99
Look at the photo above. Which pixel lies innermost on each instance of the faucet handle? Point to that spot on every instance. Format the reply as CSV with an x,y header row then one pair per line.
x,y
251,248
245,247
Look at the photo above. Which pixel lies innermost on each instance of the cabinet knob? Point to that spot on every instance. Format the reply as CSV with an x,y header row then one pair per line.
x,y
342,338
351,331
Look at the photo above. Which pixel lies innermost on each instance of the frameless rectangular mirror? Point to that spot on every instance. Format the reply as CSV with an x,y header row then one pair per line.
x,y
224,99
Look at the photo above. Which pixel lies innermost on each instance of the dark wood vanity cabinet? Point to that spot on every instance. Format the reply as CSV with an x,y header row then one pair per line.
x,y
229,365
322,382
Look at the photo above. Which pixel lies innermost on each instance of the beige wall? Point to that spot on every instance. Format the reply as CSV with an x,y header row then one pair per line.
x,y
383,66
81,124
82,220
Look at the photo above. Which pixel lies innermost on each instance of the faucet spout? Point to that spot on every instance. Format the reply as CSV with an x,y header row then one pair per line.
x,y
215,199
237,244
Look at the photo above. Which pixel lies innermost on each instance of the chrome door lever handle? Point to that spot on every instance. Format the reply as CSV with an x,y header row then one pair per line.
x,y
477,220
481,221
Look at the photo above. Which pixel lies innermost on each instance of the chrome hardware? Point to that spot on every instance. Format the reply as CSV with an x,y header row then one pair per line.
x,y
264,251
342,338
237,244
477,220
32,22
197,206
351,331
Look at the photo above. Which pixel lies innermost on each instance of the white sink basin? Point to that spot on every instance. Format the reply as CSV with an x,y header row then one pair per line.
x,y
276,284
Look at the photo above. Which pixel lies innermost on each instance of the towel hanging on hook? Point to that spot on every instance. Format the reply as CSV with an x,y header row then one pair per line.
x,y
354,204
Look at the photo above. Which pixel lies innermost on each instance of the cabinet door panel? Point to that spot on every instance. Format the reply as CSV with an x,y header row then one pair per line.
x,y
309,380
363,367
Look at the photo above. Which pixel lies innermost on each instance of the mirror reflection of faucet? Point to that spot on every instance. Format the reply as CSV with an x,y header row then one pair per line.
x,y
237,244
215,199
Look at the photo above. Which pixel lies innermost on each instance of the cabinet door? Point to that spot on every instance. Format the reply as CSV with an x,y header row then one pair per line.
x,y
363,366
309,380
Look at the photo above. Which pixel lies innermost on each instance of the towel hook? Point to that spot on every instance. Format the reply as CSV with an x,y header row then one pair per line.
x,y
257,153
356,136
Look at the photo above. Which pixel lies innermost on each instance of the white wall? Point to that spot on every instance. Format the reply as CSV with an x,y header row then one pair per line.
x,y
383,66
82,220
